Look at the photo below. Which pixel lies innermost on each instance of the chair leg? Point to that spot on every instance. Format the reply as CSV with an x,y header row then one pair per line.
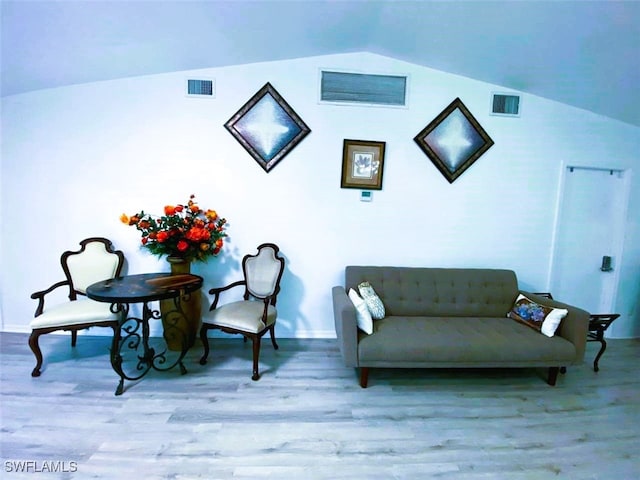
x,y
35,348
205,343
74,337
272,332
256,356
553,375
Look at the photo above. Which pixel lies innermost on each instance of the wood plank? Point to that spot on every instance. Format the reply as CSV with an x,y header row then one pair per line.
x,y
307,417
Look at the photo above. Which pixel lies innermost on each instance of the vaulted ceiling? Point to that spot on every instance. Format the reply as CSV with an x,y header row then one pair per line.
x,y
582,53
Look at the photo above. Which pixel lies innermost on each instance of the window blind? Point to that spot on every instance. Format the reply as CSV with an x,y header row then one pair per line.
x,y
363,88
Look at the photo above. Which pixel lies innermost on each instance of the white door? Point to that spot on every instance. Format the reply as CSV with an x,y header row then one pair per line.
x,y
590,227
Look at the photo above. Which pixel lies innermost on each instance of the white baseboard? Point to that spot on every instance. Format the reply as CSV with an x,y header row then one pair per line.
x,y
16,329
107,332
313,334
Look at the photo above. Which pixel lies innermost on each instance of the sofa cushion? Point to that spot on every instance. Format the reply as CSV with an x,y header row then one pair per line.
x,y
541,318
363,317
374,304
444,292
457,341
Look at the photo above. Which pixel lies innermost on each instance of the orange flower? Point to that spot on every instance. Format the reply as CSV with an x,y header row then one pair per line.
x,y
198,234
182,245
184,229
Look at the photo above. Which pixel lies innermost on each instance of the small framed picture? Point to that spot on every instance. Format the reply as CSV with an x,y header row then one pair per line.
x,y
362,164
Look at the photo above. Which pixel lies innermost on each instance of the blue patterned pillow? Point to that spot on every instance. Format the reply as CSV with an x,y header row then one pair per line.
x,y
542,318
371,298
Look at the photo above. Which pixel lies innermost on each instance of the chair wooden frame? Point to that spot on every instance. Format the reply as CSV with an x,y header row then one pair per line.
x,y
270,299
73,296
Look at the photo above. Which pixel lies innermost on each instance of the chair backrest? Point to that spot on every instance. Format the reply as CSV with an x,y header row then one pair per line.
x,y
94,262
263,272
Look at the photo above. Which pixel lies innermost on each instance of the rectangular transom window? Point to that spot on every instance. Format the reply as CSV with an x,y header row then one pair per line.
x,y
363,88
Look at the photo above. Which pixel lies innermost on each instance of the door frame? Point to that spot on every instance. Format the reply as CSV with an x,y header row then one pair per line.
x,y
619,234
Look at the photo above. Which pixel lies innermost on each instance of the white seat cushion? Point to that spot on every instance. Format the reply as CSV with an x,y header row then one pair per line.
x,y
242,315
74,313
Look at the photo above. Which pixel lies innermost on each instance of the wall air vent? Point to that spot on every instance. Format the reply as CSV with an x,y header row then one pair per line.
x,y
201,88
507,105
363,89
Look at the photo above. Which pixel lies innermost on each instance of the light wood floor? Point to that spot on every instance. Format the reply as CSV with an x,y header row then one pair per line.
x,y
307,418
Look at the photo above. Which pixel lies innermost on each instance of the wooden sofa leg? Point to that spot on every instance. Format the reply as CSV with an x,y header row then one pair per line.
x,y
364,377
553,375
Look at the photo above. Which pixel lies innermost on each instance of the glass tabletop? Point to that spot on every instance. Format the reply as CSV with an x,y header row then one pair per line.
x,y
143,287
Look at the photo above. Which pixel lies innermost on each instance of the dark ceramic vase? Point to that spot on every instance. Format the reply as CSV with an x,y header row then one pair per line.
x,y
181,322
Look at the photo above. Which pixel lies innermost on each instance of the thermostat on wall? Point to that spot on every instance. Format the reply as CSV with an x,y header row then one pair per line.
x,y
365,196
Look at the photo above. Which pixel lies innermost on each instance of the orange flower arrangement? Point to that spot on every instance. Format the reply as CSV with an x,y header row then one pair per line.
x,y
185,231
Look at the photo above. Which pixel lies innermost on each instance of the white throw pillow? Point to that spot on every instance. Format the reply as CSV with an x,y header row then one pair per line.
x,y
371,298
551,323
365,322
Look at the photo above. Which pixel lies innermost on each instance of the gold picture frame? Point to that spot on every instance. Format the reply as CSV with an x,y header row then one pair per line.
x,y
362,164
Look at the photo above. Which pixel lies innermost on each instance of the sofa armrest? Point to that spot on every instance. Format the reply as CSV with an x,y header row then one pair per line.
x,y
574,327
344,315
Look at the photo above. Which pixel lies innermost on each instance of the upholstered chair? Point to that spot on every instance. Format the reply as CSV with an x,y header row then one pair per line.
x,y
95,261
256,314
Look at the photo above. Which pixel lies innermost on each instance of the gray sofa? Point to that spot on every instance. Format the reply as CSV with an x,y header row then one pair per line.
x,y
449,318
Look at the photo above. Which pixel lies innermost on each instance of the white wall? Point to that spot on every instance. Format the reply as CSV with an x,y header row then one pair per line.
x,y
75,158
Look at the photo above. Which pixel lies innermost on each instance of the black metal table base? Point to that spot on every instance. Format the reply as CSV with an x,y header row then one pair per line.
x,y
598,324
130,344
133,335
